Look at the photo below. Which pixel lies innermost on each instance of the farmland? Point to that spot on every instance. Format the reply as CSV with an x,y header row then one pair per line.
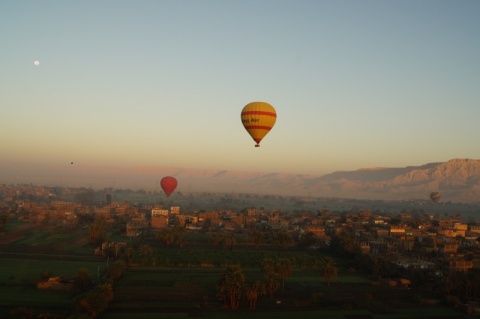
x,y
184,292
176,285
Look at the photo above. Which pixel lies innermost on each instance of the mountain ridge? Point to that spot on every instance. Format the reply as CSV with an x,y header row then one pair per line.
x,y
458,180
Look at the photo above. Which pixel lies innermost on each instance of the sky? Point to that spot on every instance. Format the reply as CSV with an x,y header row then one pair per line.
x,y
355,84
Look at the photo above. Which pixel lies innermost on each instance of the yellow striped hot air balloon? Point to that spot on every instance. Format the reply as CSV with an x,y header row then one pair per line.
x,y
258,118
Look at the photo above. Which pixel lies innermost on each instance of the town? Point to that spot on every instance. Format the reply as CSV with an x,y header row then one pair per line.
x,y
404,249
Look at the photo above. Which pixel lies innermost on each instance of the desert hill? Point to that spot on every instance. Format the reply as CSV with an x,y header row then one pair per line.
x,y
458,180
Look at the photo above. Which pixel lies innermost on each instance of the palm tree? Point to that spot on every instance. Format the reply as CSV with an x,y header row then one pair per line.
x,y
328,268
229,241
283,240
146,252
128,254
256,236
252,291
181,241
380,267
271,284
230,286
166,236
268,266
284,268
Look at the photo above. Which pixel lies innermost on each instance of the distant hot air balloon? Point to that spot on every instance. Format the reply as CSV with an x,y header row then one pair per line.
x,y
435,196
258,118
168,184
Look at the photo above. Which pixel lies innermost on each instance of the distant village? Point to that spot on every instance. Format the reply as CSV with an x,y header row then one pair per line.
x,y
411,240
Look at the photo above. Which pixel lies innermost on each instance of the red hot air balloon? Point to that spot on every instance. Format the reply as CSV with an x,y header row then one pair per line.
x,y
168,184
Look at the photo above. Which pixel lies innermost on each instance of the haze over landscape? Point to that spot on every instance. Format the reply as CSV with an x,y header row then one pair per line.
x,y
458,180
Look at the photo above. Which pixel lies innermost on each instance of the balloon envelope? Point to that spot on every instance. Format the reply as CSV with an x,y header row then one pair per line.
x,y
168,184
258,118
435,196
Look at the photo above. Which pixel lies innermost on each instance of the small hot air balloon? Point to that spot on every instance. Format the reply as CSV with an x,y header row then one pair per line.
x,y
435,196
168,184
258,118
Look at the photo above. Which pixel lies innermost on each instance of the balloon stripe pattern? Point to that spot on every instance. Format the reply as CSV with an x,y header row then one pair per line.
x,y
259,113
258,127
258,118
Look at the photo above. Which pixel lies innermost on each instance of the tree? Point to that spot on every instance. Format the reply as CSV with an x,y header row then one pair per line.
x,y
108,199
87,197
380,267
146,253
82,281
284,268
128,254
166,236
283,240
344,245
106,290
230,286
98,231
395,220
306,240
3,221
215,239
268,267
271,284
181,241
252,291
91,303
116,270
256,236
328,268
229,241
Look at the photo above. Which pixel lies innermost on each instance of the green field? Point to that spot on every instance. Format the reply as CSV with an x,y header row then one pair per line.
x,y
18,277
160,292
28,271
177,287
42,301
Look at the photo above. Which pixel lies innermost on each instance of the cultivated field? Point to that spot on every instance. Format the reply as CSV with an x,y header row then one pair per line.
x,y
177,287
185,292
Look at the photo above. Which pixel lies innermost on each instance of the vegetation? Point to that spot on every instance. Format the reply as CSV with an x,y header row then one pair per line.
x,y
328,268
256,271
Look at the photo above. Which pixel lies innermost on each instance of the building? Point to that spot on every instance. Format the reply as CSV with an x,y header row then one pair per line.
x,y
159,218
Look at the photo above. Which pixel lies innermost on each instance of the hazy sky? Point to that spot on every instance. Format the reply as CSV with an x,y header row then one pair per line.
x,y
356,84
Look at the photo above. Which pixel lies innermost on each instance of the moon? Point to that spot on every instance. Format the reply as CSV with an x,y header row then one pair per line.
x,y
36,62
